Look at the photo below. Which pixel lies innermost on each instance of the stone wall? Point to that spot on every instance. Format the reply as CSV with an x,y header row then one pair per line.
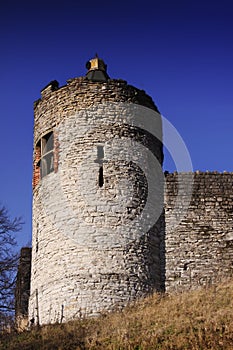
x,y
90,251
79,93
22,291
199,251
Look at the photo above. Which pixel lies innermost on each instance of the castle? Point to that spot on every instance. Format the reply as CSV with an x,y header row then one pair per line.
x,y
107,225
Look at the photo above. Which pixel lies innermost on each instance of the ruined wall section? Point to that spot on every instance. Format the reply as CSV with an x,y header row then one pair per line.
x,y
200,250
22,290
88,253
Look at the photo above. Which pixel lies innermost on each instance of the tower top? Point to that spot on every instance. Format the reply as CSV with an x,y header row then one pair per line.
x,y
97,69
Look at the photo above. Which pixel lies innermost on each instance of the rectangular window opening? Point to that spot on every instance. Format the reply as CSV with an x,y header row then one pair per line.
x,y
100,152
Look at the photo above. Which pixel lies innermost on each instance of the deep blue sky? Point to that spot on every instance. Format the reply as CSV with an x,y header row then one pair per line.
x,y
180,52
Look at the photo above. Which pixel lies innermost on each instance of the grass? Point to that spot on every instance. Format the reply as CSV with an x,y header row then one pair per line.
x,y
197,320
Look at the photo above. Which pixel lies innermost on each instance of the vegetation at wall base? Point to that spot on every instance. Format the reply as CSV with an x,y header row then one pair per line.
x,y
201,319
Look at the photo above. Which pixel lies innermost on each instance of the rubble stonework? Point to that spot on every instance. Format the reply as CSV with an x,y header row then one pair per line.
x,y
199,251
88,253
84,260
22,290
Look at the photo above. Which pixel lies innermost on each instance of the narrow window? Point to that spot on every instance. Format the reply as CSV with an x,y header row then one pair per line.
x,y
37,241
100,152
100,161
101,176
46,150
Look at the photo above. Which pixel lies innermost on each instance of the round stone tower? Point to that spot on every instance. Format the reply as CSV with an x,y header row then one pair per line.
x,y
98,228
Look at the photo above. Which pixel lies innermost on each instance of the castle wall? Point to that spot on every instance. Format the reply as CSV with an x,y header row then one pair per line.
x,y
22,290
90,252
96,245
199,251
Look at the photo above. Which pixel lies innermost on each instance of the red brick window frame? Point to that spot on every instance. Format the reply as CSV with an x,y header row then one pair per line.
x,y
44,157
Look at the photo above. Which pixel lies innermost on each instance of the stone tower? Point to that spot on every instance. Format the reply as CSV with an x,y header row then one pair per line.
x,y
98,241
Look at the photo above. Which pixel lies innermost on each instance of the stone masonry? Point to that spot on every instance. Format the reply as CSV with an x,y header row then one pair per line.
x,y
199,251
22,291
88,253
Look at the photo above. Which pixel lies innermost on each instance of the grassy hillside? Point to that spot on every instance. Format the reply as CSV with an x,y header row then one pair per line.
x,y
194,320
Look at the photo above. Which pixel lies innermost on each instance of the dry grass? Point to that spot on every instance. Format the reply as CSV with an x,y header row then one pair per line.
x,y
195,320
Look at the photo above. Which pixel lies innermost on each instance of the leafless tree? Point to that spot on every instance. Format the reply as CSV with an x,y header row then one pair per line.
x,y
8,262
